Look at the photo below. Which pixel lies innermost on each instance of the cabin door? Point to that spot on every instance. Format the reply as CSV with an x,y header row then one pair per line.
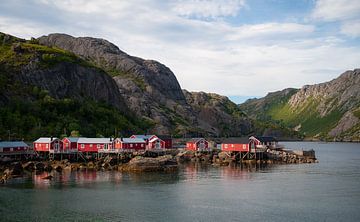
x,y
202,145
56,147
158,145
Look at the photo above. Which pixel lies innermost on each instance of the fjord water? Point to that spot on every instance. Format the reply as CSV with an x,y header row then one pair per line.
x,y
326,191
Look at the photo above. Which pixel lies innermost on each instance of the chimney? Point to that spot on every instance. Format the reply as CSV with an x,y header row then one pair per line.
x,y
51,138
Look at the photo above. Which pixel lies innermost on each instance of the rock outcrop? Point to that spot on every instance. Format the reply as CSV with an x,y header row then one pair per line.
x,y
218,114
328,110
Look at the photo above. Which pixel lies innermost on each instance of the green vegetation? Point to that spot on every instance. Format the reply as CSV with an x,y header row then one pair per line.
x,y
49,116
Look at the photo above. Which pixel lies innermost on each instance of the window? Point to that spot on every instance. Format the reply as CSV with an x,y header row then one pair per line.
x,y
91,145
142,145
47,145
232,145
66,145
244,146
98,146
226,146
131,145
82,146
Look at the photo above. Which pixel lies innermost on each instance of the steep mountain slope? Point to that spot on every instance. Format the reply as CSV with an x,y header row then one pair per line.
x,y
215,110
328,110
50,91
150,89
57,84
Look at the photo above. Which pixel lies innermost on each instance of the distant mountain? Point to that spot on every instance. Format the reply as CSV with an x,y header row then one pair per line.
x,y
329,110
58,84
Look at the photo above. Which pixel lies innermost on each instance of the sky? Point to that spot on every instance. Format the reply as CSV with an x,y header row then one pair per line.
x,y
238,48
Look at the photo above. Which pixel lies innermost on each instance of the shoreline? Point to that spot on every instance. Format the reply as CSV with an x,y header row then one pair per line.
x,y
148,163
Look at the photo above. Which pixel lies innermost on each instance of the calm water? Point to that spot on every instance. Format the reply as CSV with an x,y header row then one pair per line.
x,y
327,191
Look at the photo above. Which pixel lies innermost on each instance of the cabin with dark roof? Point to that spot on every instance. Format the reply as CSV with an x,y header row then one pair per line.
x,y
197,144
70,144
242,144
13,147
155,142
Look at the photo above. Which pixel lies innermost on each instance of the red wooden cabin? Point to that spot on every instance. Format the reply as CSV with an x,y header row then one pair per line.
x,y
130,144
264,141
154,142
48,144
197,144
243,144
93,145
168,141
70,144
13,147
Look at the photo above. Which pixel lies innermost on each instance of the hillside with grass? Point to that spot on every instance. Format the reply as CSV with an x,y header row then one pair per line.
x,y
327,111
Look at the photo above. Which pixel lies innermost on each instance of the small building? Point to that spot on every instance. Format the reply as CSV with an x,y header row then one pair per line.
x,y
70,144
130,144
155,142
264,141
93,145
13,147
168,141
48,144
197,144
242,144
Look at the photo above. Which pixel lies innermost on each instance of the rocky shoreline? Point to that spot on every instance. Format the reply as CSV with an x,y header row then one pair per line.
x,y
148,162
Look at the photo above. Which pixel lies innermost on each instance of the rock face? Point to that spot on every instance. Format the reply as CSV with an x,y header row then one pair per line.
x,y
328,110
150,88
148,164
67,80
218,114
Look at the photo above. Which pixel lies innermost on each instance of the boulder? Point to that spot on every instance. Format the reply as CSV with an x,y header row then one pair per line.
x,y
148,164
29,166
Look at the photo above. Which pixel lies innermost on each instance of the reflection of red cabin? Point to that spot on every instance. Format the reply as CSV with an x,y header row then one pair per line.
x,y
155,142
70,144
242,144
197,144
48,144
130,144
94,144
13,147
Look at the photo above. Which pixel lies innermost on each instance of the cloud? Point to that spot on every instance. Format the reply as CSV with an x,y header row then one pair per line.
x,y
211,55
334,10
347,12
207,8
351,28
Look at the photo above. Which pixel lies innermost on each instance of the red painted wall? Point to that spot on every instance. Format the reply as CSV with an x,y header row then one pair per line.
x,y
41,147
196,146
235,147
92,147
133,146
14,149
67,145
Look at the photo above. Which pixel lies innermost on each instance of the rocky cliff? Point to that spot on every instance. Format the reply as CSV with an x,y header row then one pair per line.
x,y
328,110
150,88
218,114
54,74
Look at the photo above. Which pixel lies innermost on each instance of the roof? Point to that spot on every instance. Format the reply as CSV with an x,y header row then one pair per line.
x,y
266,139
236,140
72,139
6,144
94,140
145,137
195,140
45,140
133,140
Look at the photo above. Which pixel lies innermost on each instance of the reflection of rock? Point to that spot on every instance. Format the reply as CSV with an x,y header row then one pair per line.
x,y
49,177
146,164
